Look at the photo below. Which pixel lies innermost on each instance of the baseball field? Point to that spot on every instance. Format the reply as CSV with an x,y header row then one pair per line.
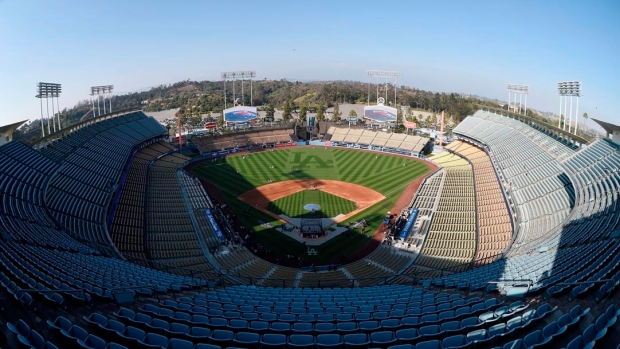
x,y
351,184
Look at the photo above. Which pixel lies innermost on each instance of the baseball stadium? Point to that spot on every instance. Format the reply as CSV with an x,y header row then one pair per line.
x,y
113,238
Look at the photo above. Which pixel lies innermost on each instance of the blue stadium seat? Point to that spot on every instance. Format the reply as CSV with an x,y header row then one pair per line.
x,y
329,341
273,340
301,341
93,342
246,339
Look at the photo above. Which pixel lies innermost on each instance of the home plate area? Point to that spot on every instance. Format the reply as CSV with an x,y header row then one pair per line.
x,y
312,232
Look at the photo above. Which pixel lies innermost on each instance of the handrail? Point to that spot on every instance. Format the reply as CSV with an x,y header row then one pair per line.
x,y
83,290
499,281
583,282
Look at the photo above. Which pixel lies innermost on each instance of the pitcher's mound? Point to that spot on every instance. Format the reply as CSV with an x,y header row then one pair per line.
x,y
312,207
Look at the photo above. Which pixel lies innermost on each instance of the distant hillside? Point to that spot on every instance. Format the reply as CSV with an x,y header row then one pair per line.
x,y
194,98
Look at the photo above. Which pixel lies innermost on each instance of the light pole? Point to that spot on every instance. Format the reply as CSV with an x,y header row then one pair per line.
x,y
242,75
387,74
99,91
569,89
522,91
49,90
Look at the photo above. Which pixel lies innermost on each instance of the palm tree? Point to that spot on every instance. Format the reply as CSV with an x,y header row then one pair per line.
x,y
585,117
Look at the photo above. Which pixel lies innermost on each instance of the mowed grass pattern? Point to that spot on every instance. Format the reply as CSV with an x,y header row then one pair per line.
x,y
383,173
293,205
388,175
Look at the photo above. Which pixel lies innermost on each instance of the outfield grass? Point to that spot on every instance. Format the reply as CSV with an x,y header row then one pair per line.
x,y
388,175
293,205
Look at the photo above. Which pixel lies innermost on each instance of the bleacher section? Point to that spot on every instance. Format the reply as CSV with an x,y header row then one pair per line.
x,y
128,230
394,142
383,262
425,200
451,240
558,148
596,172
23,176
540,191
207,144
171,238
58,293
199,201
79,192
578,248
494,226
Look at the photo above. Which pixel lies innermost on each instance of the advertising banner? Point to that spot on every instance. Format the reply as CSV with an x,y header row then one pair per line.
x,y
413,214
380,113
409,125
214,225
240,114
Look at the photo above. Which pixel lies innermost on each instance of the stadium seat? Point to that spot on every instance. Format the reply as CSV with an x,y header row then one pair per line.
x,y
301,341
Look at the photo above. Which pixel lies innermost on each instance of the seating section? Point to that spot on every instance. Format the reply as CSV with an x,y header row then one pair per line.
x,y
383,262
59,292
596,174
451,240
79,192
558,148
198,201
493,217
541,194
242,139
82,279
171,239
380,140
23,176
377,316
128,216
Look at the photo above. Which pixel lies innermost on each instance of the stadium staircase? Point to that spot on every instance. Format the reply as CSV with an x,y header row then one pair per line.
x,y
378,265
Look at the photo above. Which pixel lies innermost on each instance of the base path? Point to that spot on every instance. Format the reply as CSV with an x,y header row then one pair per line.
x,y
362,197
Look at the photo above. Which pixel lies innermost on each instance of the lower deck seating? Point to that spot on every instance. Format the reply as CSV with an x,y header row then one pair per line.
x,y
451,240
127,229
171,238
494,224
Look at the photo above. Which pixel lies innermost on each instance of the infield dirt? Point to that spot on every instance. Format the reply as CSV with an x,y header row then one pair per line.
x,y
363,197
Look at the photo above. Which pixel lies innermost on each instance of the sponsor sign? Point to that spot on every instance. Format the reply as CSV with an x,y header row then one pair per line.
x,y
409,125
214,226
413,214
380,113
240,114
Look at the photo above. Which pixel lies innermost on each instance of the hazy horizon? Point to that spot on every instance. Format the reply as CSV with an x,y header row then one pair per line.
x,y
445,46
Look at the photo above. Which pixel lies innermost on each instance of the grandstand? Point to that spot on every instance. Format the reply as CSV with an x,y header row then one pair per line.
x,y
494,222
246,139
451,239
377,140
105,244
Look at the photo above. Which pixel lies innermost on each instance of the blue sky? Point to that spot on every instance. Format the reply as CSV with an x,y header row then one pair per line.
x,y
452,46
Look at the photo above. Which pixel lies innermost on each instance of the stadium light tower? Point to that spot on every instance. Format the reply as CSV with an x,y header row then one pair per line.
x,y
521,91
569,89
49,90
242,75
99,91
387,74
